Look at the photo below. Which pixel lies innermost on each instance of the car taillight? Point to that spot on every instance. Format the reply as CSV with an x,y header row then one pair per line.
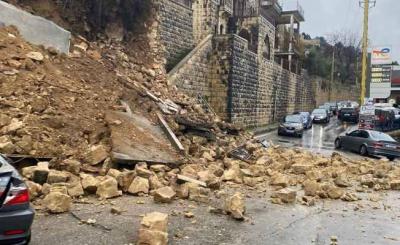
x,y
17,196
377,145
13,232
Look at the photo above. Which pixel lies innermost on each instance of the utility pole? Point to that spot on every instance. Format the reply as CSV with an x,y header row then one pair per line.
x,y
332,73
366,4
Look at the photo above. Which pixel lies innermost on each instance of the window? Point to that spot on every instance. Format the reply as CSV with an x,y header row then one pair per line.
x,y
355,133
221,29
267,48
364,134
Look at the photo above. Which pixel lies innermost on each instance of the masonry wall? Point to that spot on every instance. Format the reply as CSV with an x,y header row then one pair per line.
x,y
205,18
193,75
175,27
243,84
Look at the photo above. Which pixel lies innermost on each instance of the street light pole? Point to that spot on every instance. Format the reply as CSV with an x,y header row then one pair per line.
x,y
366,4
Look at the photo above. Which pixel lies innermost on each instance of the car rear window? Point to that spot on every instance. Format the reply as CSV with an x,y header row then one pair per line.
x,y
348,110
381,136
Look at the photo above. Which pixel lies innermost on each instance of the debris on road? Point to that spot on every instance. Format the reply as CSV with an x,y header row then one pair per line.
x,y
235,206
153,229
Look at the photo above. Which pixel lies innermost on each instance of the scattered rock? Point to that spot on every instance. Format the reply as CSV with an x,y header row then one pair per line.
x,y
70,165
36,56
153,230
57,202
89,183
116,210
55,176
139,185
108,189
164,195
286,195
235,206
97,154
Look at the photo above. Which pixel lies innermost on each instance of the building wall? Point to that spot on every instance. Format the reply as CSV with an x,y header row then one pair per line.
x,y
175,27
205,18
243,84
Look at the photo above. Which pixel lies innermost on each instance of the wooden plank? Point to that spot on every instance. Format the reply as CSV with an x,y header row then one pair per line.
x,y
188,179
172,137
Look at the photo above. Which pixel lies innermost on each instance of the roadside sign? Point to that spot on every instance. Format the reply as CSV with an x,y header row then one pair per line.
x,y
381,55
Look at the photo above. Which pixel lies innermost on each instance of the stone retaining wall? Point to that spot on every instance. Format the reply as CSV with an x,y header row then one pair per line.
x,y
175,27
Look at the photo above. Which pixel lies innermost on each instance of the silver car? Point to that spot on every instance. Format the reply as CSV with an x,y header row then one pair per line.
x,y
16,214
369,142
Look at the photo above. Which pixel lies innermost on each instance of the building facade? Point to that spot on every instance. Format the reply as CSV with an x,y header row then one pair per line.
x,y
242,57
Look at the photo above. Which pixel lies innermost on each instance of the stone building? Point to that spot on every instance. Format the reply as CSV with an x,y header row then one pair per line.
x,y
242,58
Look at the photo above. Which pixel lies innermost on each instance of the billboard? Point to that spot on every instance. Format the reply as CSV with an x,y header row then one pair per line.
x,y
381,55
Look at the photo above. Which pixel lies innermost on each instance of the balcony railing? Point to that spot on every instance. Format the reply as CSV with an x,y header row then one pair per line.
x,y
272,3
293,5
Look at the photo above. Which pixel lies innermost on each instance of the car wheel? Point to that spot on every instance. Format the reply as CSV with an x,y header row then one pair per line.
x,y
363,150
391,158
338,144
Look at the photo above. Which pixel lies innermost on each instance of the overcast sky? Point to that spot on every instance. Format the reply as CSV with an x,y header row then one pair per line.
x,y
328,16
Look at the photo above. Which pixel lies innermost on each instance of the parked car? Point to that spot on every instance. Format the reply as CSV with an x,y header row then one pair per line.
x,y
333,107
320,116
307,120
16,214
292,125
369,142
327,108
349,114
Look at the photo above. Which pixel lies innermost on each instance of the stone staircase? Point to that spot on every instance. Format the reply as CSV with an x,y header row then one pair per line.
x,y
192,75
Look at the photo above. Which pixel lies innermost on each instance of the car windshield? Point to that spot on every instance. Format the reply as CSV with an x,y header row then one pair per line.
x,y
293,119
381,136
304,114
319,112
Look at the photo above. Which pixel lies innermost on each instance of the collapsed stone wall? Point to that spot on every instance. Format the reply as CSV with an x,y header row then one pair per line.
x,y
175,27
339,91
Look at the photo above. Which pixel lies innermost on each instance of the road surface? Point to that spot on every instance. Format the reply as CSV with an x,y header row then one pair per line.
x,y
320,138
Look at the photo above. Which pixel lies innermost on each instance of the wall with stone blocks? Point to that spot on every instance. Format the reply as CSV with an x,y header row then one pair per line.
x,y
243,84
193,74
35,29
175,27
205,22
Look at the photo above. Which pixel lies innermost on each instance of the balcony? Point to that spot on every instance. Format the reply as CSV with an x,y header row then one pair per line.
x,y
292,9
272,4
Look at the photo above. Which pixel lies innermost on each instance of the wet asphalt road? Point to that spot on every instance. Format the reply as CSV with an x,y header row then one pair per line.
x,y
319,139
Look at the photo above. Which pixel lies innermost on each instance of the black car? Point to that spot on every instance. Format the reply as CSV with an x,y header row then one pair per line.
x,y
16,214
320,116
369,142
292,125
349,115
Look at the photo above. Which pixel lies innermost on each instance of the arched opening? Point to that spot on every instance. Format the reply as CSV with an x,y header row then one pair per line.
x,y
221,29
246,35
267,48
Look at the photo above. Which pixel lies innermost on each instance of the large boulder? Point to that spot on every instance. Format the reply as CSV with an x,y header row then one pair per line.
x,y
108,188
34,189
142,171
57,202
235,206
164,195
6,145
